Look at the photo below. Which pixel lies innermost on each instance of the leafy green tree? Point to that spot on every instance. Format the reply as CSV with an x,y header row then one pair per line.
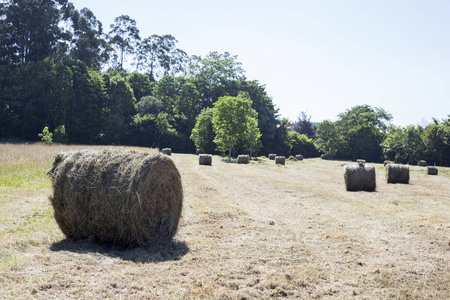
x,y
203,133
88,43
35,94
158,56
141,85
263,105
166,90
231,122
29,30
152,130
328,140
119,107
86,118
123,37
301,144
252,136
147,55
214,75
358,133
436,137
181,101
404,145
149,105
46,136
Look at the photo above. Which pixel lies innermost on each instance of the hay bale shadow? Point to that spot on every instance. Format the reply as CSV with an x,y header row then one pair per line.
x,y
167,251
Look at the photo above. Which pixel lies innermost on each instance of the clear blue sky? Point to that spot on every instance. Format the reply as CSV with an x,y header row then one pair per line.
x,y
319,56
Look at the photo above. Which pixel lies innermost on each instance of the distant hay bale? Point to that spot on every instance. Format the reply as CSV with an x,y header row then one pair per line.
x,y
361,162
272,156
432,170
199,151
397,173
167,151
205,159
323,156
360,178
243,159
386,162
280,160
422,163
299,157
124,198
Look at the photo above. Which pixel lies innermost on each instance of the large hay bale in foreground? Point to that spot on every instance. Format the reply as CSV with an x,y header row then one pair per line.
x,y
121,198
167,151
199,151
397,173
360,178
299,157
432,170
272,156
205,159
422,163
243,159
280,160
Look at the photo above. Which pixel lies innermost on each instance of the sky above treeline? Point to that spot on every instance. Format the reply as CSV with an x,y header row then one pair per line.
x,y
318,56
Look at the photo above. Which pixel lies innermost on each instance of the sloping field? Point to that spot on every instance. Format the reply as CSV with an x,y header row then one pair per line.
x,y
248,231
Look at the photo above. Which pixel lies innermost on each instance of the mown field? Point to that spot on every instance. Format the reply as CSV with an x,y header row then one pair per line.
x,y
247,231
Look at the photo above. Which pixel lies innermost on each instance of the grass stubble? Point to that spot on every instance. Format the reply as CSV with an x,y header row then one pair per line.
x,y
248,231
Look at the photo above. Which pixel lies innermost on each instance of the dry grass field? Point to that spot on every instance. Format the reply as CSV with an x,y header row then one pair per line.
x,y
247,231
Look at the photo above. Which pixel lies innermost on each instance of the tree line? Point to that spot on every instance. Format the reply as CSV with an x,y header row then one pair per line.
x,y
61,71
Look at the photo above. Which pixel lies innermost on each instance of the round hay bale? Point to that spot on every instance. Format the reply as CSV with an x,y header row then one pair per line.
x,y
122,198
422,163
299,157
397,173
432,170
323,156
243,159
386,162
205,159
360,178
280,160
272,156
167,151
361,162
199,151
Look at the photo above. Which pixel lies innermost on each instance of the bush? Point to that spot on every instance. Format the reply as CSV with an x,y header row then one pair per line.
x,y
300,143
60,134
46,136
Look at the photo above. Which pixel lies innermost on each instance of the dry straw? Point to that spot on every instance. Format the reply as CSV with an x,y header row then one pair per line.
x,y
121,198
432,170
397,173
422,163
280,160
299,157
243,159
360,178
167,151
199,151
272,156
205,159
